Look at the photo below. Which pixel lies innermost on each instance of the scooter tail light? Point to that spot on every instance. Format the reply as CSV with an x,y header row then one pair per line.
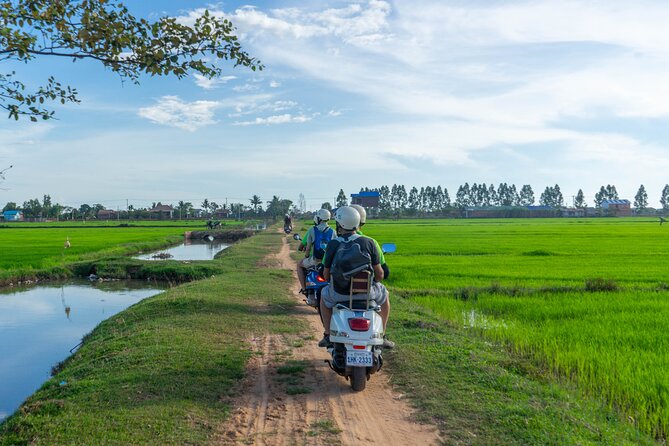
x,y
321,279
359,323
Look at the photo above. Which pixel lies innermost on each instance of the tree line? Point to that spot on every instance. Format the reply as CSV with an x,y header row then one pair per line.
x,y
435,199
47,209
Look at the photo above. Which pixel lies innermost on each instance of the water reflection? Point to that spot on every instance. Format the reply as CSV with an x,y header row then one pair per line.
x,y
39,325
189,250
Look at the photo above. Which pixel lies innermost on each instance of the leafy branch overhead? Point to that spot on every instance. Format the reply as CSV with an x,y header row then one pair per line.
x,y
106,32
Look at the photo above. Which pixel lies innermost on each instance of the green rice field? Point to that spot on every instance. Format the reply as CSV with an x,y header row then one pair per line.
x,y
41,245
586,299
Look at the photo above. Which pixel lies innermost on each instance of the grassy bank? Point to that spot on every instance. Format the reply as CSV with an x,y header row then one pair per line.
x,y
161,372
39,253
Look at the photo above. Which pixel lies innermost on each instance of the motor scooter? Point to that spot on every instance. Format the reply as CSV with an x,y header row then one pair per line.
x,y
356,332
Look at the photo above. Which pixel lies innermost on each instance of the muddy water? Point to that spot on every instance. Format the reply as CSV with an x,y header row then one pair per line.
x,y
39,325
189,250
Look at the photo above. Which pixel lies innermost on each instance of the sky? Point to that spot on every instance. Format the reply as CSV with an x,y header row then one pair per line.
x,y
361,94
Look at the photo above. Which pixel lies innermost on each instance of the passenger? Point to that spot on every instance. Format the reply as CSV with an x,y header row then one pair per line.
x,y
363,220
347,220
313,244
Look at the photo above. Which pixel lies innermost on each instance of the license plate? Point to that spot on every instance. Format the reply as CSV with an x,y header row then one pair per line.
x,y
359,359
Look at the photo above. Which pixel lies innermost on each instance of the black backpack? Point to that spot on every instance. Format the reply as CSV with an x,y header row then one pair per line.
x,y
348,261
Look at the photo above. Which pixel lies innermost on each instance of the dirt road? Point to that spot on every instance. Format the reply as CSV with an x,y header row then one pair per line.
x,y
291,397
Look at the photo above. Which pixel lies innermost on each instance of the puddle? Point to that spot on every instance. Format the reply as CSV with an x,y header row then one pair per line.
x,y
189,250
39,326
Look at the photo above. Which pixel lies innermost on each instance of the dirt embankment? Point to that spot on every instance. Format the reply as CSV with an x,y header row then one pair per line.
x,y
322,410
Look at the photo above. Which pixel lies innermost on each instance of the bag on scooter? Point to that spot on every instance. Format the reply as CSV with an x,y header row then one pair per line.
x,y
348,260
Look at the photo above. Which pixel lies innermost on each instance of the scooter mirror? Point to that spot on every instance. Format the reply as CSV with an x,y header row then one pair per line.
x,y
297,237
388,248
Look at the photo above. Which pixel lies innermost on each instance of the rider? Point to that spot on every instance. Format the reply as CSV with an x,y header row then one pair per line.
x,y
287,222
348,220
313,245
363,220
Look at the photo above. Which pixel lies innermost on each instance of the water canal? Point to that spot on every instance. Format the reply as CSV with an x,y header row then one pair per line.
x,y
189,250
41,324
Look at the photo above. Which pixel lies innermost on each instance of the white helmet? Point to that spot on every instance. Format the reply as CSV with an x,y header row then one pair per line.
x,y
347,218
321,215
362,212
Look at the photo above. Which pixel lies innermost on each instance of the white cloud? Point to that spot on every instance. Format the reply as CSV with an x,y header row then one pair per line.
x,y
210,84
276,119
335,113
173,112
274,84
245,88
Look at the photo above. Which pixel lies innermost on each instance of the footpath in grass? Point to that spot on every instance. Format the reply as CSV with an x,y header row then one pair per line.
x,y
162,371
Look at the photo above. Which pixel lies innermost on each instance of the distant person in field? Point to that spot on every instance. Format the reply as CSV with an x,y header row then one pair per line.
x,y
313,244
348,220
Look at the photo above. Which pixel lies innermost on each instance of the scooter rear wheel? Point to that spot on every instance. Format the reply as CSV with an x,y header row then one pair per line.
x,y
358,378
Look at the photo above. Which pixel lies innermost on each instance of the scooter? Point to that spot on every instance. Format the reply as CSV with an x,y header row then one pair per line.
x,y
314,285
356,333
287,229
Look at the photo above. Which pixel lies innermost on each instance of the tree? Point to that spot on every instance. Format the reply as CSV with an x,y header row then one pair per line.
x,y
255,202
326,205
664,198
526,197
184,208
106,32
579,201
341,199
600,197
206,205
413,202
611,192
462,197
278,207
10,206
641,199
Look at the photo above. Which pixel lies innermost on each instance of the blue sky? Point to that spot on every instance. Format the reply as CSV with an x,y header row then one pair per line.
x,y
367,93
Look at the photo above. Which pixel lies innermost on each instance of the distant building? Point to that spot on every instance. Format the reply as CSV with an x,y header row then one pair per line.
x,y
617,208
107,214
366,199
12,216
163,211
572,212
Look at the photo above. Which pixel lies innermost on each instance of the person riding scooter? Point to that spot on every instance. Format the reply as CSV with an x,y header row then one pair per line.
x,y
287,224
363,220
347,220
314,244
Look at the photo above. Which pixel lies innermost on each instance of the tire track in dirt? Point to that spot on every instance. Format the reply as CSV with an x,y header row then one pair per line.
x,y
331,414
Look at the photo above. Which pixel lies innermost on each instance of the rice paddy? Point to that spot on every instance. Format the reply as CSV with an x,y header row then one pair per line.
x,y
587,300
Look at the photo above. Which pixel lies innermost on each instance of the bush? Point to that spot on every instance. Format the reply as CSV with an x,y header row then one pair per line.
x,y
600,284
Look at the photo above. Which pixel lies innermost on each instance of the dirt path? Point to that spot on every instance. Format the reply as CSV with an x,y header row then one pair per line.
x,y
291,397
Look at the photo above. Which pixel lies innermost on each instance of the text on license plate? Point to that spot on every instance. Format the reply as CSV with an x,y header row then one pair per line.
x,y
359,359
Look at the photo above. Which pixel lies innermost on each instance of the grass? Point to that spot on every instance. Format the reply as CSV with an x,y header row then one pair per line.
x,y
37,252
583,301
163,371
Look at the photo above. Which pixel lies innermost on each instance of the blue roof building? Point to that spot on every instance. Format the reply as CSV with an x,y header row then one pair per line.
x,y
12,215
366,199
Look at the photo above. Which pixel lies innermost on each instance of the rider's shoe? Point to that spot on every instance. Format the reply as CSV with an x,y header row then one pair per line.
x,y
303,291
325,342
387,343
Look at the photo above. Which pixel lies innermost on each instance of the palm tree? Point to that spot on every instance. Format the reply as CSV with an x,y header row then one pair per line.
x,y
255,202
